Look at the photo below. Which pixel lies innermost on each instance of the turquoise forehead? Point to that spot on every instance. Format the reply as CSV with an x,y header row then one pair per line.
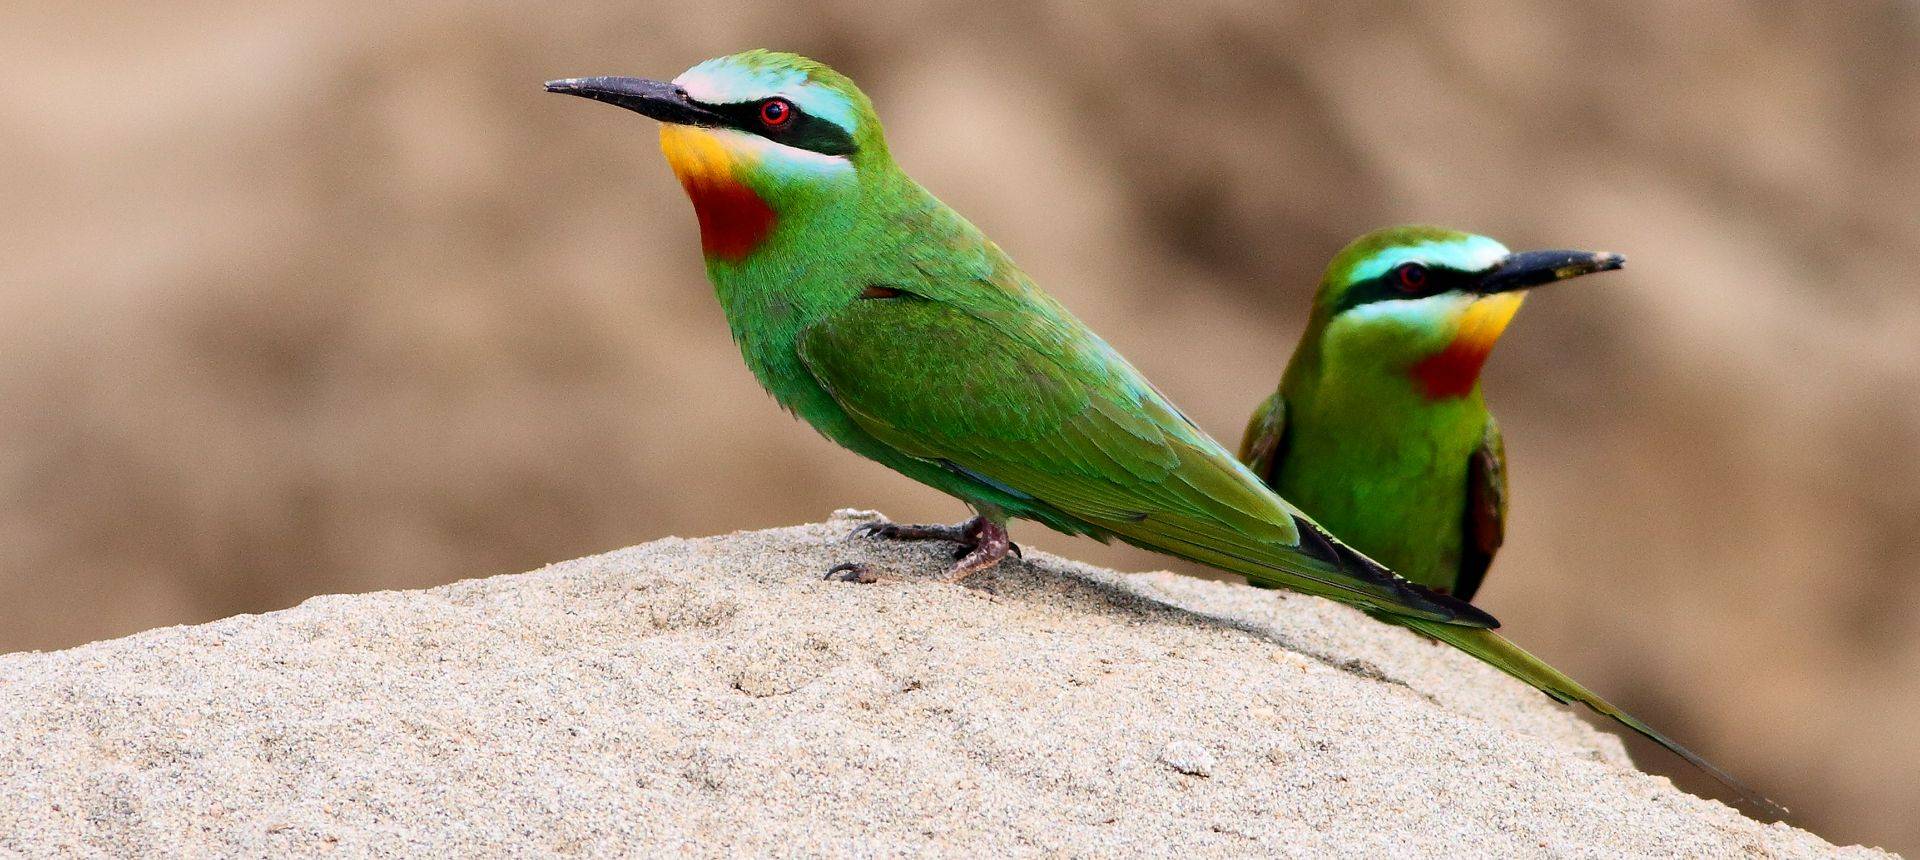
x,y
726,80
1467,254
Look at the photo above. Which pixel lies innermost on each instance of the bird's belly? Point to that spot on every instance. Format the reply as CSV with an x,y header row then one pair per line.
x,y
1400,499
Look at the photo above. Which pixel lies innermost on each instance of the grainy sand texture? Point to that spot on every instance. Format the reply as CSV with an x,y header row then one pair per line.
x,y
715,697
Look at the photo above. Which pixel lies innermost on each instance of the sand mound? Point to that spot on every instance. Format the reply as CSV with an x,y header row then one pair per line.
x,y
716,697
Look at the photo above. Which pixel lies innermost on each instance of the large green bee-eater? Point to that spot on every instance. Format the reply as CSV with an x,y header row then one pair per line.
x,y
1379,430
889,323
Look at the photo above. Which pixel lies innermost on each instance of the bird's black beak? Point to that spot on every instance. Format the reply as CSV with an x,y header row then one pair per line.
x,y
658,99
1529,269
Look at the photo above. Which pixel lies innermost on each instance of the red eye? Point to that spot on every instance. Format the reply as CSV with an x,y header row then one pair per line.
x,y
1410,277
776,113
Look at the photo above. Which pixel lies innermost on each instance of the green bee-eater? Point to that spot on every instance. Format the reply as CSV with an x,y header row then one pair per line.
x,y
1379,430
889,323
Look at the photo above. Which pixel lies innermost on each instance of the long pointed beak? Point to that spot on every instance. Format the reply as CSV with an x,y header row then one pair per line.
x,y
1529,269
658,99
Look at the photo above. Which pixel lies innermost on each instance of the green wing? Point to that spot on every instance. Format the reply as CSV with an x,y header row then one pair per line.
x,y
1485,526
1010,390
1264,444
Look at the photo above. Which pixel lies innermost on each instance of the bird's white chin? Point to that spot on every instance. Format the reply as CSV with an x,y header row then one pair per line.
x,y
1395,327
1408,313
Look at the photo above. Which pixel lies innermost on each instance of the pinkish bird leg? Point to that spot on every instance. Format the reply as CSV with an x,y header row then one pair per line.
x,y
990,545
983,543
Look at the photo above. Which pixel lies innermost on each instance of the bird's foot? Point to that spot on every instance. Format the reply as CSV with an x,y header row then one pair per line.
x,y
990,545
898,531
854,571
983,543
966,549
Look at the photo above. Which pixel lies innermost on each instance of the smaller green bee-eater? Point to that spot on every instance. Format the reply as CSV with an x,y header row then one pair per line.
x,y
880,316
1379,430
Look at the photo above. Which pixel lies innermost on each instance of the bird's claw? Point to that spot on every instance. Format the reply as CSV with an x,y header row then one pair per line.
x,y
853,571
896,531
983,543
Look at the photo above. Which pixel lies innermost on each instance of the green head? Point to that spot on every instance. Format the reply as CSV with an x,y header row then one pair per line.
x,y
1430,302
755,137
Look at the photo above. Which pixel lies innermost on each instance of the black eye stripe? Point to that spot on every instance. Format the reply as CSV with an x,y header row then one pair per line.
x,y
1387,287
800,129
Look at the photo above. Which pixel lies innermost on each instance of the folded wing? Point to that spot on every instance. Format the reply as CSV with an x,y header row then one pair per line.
x,y
1013,390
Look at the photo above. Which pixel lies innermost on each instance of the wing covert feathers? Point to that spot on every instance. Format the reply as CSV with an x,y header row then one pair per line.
x,y
1050,410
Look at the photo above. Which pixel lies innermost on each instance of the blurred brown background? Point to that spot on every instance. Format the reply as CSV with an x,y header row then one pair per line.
x,y
307,297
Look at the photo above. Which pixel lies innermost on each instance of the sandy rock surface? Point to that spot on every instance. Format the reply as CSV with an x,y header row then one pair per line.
x,y
714,697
